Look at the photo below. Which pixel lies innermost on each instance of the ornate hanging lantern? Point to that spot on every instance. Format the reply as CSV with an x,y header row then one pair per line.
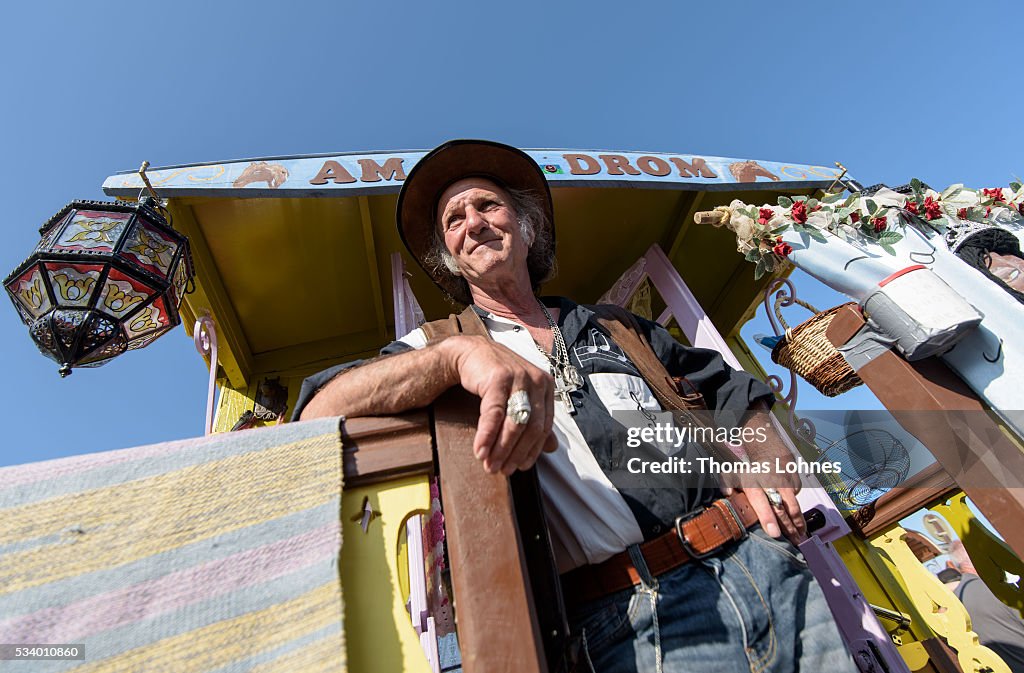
x,y
105,278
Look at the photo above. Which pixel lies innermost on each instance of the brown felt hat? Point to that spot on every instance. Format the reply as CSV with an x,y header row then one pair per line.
x,y
509,167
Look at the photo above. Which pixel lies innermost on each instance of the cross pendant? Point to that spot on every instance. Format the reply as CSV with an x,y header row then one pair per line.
x,y
562,390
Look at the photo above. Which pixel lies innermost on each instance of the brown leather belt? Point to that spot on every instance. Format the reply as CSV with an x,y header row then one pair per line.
x,y
694,536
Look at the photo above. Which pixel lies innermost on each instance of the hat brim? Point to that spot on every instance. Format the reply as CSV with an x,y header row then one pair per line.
x,y
454,160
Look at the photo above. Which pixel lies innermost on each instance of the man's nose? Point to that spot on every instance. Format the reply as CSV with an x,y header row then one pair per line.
x,y
474,219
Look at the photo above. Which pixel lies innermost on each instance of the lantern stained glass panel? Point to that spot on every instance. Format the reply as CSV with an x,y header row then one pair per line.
x,y
73,284
153,317
181,276
123,294
29,292
146,246
93,230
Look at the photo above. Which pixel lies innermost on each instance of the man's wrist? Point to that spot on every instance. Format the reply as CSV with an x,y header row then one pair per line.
x,y
451,351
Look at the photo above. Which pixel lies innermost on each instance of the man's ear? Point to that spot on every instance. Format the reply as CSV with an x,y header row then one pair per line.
x,y
532,234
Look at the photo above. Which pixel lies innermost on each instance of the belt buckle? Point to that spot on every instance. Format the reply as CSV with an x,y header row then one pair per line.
x,y
692,515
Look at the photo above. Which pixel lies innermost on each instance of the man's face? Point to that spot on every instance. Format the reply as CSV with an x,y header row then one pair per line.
x,y
1007,268
481,231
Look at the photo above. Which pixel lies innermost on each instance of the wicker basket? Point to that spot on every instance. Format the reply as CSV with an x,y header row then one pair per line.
x,y
806,350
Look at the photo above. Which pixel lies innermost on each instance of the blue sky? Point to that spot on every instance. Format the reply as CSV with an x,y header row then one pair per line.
x,y
892,91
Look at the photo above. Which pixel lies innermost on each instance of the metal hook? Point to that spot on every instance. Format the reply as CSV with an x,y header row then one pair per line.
x,y
838,177
145,180
927,258
999,353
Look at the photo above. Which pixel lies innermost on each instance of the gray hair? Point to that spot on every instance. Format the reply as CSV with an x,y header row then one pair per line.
x,y
532,226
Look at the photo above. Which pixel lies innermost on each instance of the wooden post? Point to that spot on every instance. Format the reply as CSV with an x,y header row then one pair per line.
x,y
497,620
970,446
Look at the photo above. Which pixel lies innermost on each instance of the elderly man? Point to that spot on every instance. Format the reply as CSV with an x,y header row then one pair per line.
x,y
656,577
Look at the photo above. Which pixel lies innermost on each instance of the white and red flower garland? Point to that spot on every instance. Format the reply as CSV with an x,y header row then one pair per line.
x,y
759,229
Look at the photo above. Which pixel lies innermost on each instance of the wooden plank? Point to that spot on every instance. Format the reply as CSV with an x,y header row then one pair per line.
x,y
919,492
970,446
498,628
381,448
210,297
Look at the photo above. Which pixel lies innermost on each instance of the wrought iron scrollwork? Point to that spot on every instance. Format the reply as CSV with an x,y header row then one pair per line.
x,y
783,291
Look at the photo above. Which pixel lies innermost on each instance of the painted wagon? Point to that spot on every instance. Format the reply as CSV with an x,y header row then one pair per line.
x,y
298,266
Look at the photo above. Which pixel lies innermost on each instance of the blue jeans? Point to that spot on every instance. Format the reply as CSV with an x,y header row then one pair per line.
x,y
752,607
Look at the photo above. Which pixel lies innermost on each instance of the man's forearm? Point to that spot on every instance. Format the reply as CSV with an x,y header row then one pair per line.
x,y
388,385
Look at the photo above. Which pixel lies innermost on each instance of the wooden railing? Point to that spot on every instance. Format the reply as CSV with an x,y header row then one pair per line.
x,y
505,621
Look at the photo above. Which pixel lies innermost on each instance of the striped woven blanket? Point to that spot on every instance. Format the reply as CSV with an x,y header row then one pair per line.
x,y
216,554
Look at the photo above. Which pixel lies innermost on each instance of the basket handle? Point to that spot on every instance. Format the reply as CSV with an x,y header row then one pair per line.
x,y
793,300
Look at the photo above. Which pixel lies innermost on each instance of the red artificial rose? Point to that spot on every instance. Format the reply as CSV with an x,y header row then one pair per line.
x,y
781,248
911,206
799,212
854,216
878,224
764,215
1020,207
962,213
932,209
994,194
988,211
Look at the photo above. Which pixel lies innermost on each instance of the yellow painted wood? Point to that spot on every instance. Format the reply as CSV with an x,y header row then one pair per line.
x,y
990,555
319,355
231,404
378,632
296,269
690,207
879,588
374,270
211,298
935,604
914,655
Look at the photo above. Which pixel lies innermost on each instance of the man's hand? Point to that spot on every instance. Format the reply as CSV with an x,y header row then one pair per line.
x,y
786,519
414,379
493,372
776,521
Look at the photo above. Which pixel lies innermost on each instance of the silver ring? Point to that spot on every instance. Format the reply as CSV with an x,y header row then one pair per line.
x,y
774,498
518,407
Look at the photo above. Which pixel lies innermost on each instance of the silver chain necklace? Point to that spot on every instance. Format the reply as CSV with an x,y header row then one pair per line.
x,y
567,377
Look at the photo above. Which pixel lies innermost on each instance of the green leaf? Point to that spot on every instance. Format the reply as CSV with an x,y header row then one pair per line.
x,y
778,230
843,213
769,263
841,233
785,202
1015,186
872,207
890,237
752,255
832,197
800,198
811,203
888,248
759,269
851,200
916,185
